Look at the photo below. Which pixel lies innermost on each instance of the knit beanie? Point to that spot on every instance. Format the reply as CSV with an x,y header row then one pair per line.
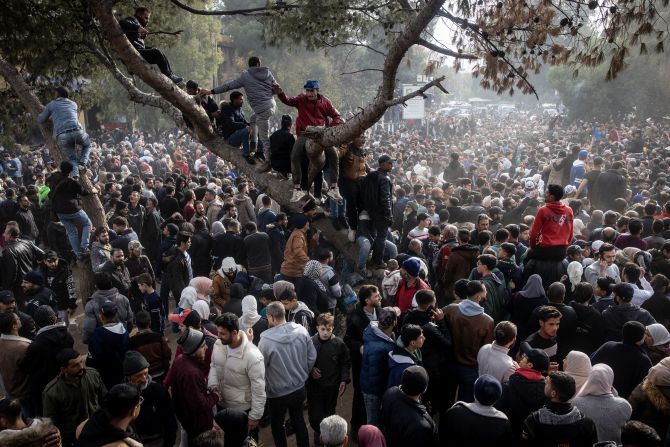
x,y
34,277
633,332
299,221
133,363
414,381
487,390
44,316
412,267
190,340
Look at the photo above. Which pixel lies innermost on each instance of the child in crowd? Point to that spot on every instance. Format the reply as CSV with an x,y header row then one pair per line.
x,y
152,302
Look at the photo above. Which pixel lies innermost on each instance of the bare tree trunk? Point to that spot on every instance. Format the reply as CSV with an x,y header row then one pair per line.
x,y
83,275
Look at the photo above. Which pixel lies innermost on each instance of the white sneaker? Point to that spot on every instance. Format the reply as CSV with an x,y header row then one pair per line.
x,y
297,195
351,235
334,193
317,200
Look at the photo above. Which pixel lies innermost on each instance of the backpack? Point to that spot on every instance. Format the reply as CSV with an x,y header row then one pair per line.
x,y
369,192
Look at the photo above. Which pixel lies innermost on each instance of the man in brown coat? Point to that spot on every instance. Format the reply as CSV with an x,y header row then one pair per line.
x,y
462,260
296,253
13,348
471,329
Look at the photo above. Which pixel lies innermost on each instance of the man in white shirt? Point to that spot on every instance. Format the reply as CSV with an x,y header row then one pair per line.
x,y
604,267
493,358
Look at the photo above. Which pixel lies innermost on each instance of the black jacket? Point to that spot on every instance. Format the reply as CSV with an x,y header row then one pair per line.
x,y
201,253
310,293
462,426
405,421
616,316
40,363
559,424
520,397
64,194
566,331
332,359
176,273
168,206
281,144
659,308
277,243
98,431
385,207
42,296
609,186
590,333
629,362
18,258
120,277
27,224
225,245
453,171
257,250
231,120
130,26
357,321
61,283
157,419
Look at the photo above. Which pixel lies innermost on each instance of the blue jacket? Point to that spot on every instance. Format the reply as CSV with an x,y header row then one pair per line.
x,y
375,370
63,113
399,360
265,216
577,172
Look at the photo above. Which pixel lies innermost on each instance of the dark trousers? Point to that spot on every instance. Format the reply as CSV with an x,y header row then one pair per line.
x,y
546,253
304,180
350,190
264,273
381,228
358,416
155,56
294,404
321,403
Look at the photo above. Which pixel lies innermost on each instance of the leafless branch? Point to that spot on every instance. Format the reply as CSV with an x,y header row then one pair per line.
x,y
362,70
447,52
169,33
420,92
265,10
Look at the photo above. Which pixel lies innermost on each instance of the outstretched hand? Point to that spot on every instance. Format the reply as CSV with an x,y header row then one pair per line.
x,y
276,89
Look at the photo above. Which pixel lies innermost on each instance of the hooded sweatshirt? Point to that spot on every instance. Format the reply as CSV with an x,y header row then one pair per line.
x,y
289,356
399,360
303,316
552,226
92,309
577,172
257,83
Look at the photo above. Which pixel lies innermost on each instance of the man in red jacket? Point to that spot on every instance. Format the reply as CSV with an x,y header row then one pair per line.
x,y
551,232
314,109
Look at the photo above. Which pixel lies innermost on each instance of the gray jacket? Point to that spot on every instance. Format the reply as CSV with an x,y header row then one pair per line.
x,y
257,83
289,356
92,309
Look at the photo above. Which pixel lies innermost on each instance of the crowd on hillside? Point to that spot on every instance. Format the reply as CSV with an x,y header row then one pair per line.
x,y
511,275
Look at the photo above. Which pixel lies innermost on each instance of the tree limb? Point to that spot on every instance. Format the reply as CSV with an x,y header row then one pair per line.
x,y
264,10
420,92
362,70
447,52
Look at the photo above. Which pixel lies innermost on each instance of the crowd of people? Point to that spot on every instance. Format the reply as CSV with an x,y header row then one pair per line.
x,y
511,284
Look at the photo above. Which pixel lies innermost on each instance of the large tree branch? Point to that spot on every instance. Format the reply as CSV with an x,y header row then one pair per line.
x,y
419,92
445,51
265,10
120,45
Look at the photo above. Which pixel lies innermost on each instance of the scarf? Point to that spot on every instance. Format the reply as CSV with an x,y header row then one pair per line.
x,y
482,410
533,288
250,314
313,272
599,382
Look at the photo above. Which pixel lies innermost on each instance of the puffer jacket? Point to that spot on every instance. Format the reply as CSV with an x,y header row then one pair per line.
x,y
296,254
240,376
399,360
374,370
40,433
352,163
92,309
651,406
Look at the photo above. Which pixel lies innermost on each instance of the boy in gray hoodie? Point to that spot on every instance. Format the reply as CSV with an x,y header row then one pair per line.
x,y
257,82
289,355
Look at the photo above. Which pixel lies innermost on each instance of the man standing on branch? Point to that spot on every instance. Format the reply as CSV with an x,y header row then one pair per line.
x,y
257,82
134,27
314,109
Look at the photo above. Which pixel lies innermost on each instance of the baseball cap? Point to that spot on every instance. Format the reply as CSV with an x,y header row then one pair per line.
x,y
180,317
50,255
596,245
386,159
6,297
312,84
537,357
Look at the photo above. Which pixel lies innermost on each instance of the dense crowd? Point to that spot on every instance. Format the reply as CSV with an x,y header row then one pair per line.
x,y
512,275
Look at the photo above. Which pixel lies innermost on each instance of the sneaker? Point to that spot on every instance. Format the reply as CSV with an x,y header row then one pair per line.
x,y
263,166
351,235
334,193
297,195
318,200
176,79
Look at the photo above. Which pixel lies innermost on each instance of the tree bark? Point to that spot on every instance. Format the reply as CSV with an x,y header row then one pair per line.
x,y
83,275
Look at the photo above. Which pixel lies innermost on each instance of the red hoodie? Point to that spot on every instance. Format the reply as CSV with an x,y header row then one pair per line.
x,y
552,226
312,113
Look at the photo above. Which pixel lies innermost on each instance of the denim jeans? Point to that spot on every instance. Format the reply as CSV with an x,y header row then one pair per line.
x,y
68,143
260,129
294,404
364,246
466,376
70,222
372,408
336,209
240,136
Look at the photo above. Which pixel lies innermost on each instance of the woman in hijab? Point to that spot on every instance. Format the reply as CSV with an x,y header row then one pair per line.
x,y
578,366
370,436
251,319
575,273
188,296
217,229
598,401
525,301
311,290
657,342
651,399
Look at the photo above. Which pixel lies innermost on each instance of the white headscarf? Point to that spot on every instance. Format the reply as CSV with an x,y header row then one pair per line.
x,y
578,367
659,334
250,314
575,272
188,297
599,382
